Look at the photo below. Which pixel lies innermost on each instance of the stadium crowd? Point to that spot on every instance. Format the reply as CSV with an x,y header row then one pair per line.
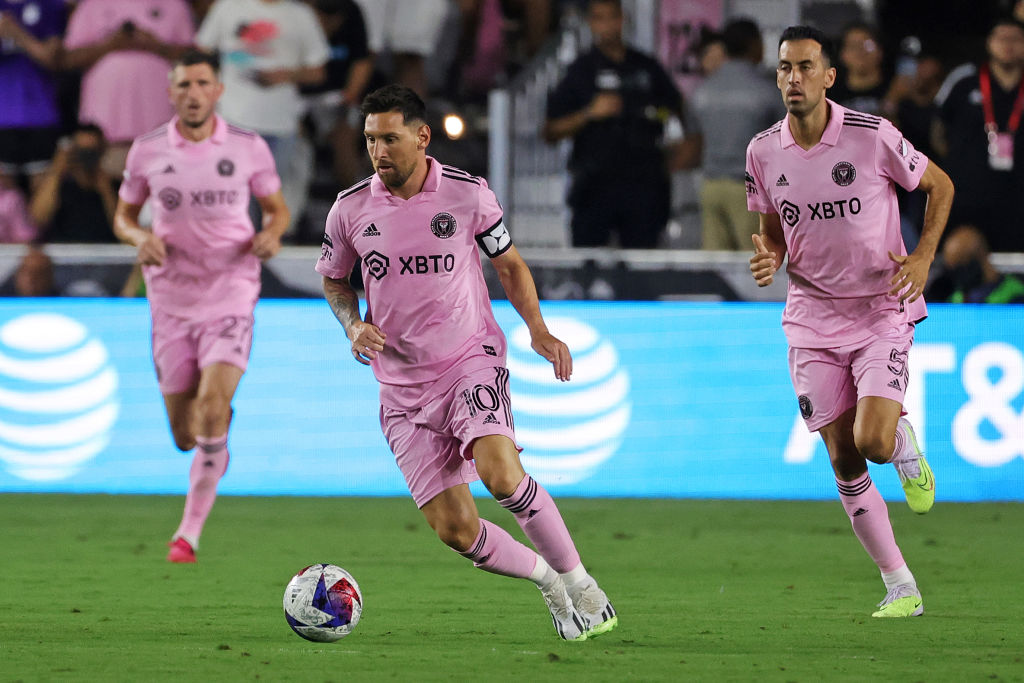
x,y
80,79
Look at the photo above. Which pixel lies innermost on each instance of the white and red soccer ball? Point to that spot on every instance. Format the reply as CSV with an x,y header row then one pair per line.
x,y
323,603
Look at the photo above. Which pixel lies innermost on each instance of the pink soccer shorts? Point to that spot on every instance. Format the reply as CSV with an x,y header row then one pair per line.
x,y
432,443
828,382
183,347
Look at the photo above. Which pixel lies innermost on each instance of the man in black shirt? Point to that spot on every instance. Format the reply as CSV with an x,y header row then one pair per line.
x,y
334,103
75,200
614,102
981,111
862,83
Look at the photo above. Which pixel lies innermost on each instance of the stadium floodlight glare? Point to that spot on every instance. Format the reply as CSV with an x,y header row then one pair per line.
x,y
454,126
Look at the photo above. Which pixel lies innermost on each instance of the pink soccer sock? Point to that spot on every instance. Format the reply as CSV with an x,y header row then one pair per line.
x,y
870,519
495,551
208,466
542,523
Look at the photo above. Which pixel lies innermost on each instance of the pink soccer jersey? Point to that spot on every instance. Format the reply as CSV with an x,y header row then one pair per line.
x,y
200,206
421,270
838,211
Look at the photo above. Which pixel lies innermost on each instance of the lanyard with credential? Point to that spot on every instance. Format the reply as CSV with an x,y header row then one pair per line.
x,y
1000,144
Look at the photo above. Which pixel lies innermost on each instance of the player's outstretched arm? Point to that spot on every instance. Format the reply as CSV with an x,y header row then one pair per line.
x,y
267,242
367,339
910,280
769,250
151,249
517,281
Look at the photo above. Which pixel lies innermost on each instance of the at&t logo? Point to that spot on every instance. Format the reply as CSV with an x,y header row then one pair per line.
x,y
58,396
568,429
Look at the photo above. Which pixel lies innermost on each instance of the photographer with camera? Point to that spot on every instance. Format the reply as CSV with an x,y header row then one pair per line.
x,y
75,200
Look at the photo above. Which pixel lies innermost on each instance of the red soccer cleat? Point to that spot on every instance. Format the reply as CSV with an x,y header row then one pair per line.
x,y
181,552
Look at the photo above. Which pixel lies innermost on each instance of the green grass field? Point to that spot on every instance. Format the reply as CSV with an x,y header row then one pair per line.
x,y
706,591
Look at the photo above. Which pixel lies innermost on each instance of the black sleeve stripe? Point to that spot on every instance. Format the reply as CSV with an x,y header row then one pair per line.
x,y
235,130
162,130
462,178
872,126
361,185
861,117
453,169
765,133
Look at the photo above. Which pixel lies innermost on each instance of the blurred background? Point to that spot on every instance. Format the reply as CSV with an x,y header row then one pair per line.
x,y
80,80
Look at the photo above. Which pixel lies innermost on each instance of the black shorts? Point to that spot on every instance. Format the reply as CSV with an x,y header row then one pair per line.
x,y
27,150
633,205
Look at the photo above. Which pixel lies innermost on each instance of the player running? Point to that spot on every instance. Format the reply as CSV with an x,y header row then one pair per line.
x,y
439,356
201,263
823,181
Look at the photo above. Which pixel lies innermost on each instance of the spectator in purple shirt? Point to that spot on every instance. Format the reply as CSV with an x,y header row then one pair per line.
x,y
30,47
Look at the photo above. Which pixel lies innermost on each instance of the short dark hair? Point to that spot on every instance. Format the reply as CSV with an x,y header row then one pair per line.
x,y
90,128
810,33
1006,20
617,3
395,98
191,57
864,27
740,36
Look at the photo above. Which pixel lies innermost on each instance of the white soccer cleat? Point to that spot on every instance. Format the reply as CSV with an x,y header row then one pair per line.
x,y
568,622
593,605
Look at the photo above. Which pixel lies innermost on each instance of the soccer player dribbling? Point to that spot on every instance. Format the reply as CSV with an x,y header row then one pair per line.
x,y
201,263
439,356
822,180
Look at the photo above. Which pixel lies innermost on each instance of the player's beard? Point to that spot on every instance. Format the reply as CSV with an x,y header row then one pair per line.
x,y
197,123
397,176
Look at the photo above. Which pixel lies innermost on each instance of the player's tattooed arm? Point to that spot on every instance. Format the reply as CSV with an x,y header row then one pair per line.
x,y
367,339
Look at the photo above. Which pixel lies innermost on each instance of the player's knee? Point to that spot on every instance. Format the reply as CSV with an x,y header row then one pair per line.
x,y
456,532
212,413
503,484
874,446
184,440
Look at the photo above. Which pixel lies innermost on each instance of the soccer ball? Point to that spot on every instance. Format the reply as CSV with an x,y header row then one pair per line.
x,y
323,603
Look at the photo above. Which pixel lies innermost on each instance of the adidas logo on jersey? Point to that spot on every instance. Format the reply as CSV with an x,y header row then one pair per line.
x,y
371,231
895,384
169,169
490,419
782,182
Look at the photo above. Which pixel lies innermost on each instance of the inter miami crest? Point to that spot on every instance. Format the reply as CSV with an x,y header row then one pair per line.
x,y
225,167
170,198
844,173
806,409
443,225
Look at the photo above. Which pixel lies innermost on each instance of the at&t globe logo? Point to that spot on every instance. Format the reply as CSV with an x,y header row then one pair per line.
x,y
58,396
568,429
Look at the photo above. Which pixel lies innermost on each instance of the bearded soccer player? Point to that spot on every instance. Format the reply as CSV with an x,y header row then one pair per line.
x,y
823,180
201,262
434,346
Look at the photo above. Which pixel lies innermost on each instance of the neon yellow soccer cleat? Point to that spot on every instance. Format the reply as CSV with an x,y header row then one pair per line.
x,y
902,601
